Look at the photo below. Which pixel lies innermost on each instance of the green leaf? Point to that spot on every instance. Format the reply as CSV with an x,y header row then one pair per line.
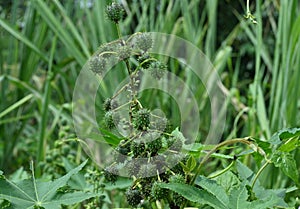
x,y
286,162
260,192
30,193
178,135
110,138
284,135
214,188
191,163
290,144
238,198
270,202
22,38
194,194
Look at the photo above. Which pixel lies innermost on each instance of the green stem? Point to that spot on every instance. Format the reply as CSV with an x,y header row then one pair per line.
x,y
223,171
118,30
259,172
45,107
222,144
248,7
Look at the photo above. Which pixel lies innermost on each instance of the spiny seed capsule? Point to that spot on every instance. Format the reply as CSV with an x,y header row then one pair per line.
x,y
133,197
146,186
159,124
157,69
157,192
143,42
115,12
147,170
124,52
132,167
110,119
154,146
110,174
177,178
97,65
138,149
141,119
178,199
109,104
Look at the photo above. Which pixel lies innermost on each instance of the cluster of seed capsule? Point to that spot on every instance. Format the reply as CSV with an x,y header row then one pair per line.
x,y
149,140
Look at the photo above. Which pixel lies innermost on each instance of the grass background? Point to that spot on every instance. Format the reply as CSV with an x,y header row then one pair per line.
x,y
44,45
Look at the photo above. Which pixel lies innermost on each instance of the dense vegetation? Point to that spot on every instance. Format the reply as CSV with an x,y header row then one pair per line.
x,y
148,145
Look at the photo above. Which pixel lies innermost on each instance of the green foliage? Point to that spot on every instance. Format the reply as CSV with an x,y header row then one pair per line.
x,y
46,43
33,193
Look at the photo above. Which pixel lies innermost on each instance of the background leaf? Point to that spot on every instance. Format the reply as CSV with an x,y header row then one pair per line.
x,y
194,194
29,193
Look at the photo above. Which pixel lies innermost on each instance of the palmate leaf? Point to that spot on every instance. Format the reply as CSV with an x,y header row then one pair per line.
x,y
262,194
214,188
30,193
238,199
194,194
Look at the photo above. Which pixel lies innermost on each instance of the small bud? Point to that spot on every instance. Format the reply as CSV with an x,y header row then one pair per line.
x,y
115,12
138,149
143,42
109,104
97,64
111,174
124,52
111,119
133,197
141,120
178,178
157,192
157,69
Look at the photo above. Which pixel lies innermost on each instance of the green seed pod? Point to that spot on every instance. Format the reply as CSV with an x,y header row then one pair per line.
x,y
143,42
110,174
109,104
141,119
159,124
133,167
138,149
133,197
97,65
65,149
177,178
111,119
115,12
177,198
146,185
158,193
154,146
147,170
124,52
157,69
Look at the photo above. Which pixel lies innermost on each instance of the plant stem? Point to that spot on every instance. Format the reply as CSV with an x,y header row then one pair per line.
x,y
259,172
222,144
223,171
248,7
118,30
45,108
